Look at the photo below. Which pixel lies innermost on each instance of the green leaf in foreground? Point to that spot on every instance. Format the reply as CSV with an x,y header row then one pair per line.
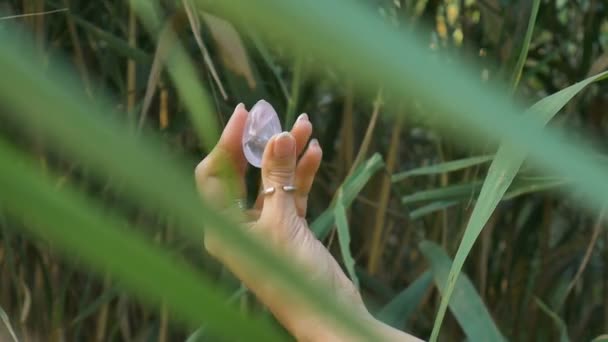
x,y
466,305
401,308
145,172
69,220
344,238
505,166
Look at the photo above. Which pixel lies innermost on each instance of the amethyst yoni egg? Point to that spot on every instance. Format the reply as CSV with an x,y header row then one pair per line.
x,y
262,123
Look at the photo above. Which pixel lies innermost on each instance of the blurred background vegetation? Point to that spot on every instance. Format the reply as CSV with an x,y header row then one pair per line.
x,y
540,266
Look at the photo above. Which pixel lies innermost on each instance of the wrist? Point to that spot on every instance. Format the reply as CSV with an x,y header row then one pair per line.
x,y
319,327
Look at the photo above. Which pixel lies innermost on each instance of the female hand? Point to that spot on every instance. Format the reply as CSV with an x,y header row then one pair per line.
x,y
279,219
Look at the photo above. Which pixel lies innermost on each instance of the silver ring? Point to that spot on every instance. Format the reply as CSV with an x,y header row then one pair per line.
x,y
289,188
268,191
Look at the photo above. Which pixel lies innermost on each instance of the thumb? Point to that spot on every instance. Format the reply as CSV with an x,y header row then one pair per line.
x,y
278,171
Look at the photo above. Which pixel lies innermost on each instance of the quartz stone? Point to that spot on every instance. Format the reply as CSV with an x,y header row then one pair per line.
x,y
262,124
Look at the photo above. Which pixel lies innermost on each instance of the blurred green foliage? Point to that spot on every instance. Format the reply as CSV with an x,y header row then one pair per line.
x,y
537,271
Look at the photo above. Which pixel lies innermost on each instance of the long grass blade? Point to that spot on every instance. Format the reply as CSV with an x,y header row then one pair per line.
x,y
350,188
450,166
68,219
505,166
195,25
7,323
523,53
184,75
563,329
344,238
401,308
467,307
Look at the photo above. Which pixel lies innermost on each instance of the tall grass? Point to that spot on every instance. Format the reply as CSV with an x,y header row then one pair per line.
x,y
118,206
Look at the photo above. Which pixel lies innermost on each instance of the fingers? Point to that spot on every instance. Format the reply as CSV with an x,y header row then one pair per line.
x,y
301,131
305,174
219,177
278,170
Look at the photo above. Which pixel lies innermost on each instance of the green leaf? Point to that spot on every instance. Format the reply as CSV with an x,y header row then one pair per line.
x,y
184,75
92,308
6,321
447,196
70,220
401,308
522,187
601,338
147,174
118,45
431,208
466,305
449,192
523,53
344,238
450,166
563,329
350,189
502,171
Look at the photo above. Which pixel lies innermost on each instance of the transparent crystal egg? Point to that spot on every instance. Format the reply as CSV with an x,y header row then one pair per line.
x,y
262,123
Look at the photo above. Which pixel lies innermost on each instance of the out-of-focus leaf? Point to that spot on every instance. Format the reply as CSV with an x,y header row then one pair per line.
x,y
69,220
344,238
450,166
400,308
350,188
466,304
231,48
563,329
505,166
148,175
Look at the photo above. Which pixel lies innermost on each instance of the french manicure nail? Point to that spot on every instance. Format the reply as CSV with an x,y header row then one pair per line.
x,y
314,142
302,116
284,145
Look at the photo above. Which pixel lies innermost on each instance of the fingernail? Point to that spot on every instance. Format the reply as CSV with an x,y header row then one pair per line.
x,y
240,106
314,142
284,145
302,116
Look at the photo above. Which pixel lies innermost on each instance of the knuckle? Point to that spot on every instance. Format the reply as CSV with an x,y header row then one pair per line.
x,y
201,171
282,230
279,174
